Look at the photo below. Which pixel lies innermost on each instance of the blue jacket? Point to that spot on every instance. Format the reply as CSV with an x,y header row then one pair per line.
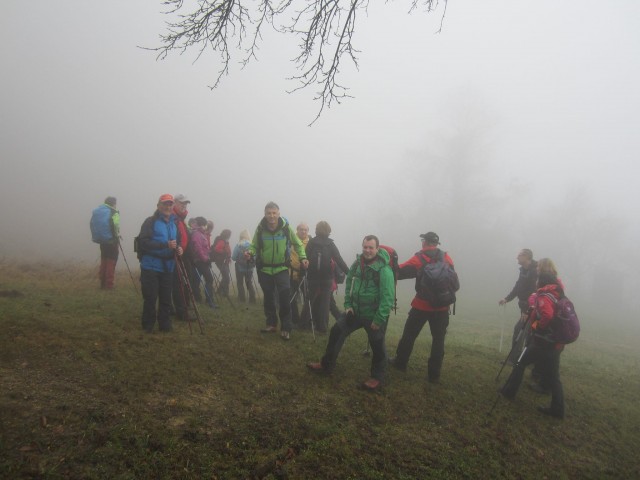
x,y
155,233
238,257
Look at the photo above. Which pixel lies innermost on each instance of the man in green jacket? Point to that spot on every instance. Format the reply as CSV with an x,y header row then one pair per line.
x,y
271,246
369,298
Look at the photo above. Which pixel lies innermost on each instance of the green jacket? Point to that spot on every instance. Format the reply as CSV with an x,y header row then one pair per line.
x,y
371,293
273,249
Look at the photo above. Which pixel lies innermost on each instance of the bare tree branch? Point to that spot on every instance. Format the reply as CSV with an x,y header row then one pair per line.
x,y
325,28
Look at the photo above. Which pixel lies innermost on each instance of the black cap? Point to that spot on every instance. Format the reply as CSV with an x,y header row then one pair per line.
x,y
431,238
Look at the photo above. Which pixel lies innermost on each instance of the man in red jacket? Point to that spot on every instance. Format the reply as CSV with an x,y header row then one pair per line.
x,y
422,311
180,212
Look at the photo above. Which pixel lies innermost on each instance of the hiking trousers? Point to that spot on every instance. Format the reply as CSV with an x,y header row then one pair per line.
x,y
156,287
345,327
548,358
438,323
276,288
108,259
245,277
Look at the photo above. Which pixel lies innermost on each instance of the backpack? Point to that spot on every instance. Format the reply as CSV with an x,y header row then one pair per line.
x,y
215,256
437,280
242,248
319,257
100,224
565,324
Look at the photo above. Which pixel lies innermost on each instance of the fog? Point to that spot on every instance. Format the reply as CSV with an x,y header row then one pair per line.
x,y
516,126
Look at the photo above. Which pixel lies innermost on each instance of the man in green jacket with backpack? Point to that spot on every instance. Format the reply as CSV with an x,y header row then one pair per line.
x,y
271,247
369,298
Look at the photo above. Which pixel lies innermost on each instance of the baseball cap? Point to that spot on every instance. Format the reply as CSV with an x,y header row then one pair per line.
x,y
182,198
167,197
431,237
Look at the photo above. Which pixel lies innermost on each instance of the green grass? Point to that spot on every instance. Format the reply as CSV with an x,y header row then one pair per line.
x,y
85,394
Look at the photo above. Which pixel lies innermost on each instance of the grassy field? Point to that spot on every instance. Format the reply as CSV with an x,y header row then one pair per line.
x,y
85,394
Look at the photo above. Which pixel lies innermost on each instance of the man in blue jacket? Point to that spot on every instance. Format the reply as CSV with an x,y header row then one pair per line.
x,y
158,243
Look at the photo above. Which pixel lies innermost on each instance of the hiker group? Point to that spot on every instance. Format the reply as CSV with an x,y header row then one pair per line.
x,y
293,268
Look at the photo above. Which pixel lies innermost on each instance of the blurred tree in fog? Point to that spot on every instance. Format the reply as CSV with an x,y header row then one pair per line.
x,y
324,30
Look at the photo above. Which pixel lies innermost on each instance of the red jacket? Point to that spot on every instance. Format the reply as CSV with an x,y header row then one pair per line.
x,y
410,269
182,227
545,308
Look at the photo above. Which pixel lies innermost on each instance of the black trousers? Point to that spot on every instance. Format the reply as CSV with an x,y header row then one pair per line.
x,y
276,287
438,323
156,287
339,333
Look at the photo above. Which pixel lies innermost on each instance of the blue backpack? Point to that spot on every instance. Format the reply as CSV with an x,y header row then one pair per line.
x,y
101,231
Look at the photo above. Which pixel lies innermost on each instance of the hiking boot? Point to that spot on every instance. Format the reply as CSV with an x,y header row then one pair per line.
x,y
268,330
316,367
549,411
536,387
372,384
506,394
394,363
285,335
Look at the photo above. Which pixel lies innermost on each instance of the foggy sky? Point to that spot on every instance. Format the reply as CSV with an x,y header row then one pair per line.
x,y
515,126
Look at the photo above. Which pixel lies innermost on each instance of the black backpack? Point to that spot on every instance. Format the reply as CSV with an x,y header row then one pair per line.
x,y
437,280
319,257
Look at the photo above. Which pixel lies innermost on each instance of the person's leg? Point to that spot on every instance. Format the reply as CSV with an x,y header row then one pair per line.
x,y
553,380
379,352
164,301
412,327
333,307
268,285
252,291
103,265
511,386
240,279
283,287
438,323
294,301
321,309
179,293
518,338
149,288
339,333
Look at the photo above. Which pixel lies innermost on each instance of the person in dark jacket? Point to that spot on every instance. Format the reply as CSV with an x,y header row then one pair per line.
x,y
159,243
321,252
524,287
543,348
422,311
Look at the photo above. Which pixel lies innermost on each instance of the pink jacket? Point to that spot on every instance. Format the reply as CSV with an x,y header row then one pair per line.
x,y
200,246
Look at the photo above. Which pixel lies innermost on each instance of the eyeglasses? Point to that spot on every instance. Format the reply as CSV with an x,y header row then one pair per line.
x,y
168,203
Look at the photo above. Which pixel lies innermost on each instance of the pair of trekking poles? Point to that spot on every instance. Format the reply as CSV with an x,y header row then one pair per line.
x,y
304,287
525,322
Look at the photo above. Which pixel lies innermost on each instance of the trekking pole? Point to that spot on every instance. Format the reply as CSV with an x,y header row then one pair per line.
x,y
295,294
233,285
255,286
204,286
127,264
181,281
515,343
500,391
216,286
504,320
189,291
306,291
